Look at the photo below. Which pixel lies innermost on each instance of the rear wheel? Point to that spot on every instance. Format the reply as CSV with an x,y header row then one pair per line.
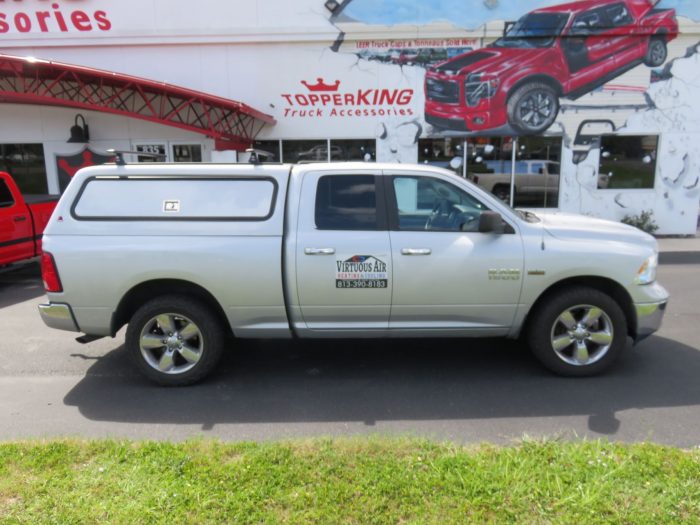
x,y
175,340
656,52
578,332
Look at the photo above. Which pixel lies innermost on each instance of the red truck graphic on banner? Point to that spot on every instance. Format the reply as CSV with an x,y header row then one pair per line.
x,y
561,51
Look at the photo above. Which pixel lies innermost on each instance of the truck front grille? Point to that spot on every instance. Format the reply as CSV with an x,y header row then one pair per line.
x,y
445,91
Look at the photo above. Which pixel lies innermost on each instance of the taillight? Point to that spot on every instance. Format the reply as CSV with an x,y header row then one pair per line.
x,y
49,273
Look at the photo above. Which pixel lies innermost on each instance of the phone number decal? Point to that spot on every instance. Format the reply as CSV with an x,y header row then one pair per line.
x,y
362,283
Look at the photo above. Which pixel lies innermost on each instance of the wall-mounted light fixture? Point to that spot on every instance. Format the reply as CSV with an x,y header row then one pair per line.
x,y
79,134
332,5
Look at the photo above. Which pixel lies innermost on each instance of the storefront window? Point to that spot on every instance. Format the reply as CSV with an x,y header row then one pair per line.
x,y
627,162
270,147
490,165
25,162
187,153
305,150
440,152
358,150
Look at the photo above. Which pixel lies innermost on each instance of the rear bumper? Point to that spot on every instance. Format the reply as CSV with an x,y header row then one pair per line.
x,y
59,316
649,318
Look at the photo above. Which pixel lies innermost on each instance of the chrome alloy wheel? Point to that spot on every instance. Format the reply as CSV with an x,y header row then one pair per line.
x,y
657,52
582,335
171,343
536,109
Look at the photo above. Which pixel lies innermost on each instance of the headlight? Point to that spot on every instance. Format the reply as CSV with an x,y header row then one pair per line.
x,y
477,88
647,272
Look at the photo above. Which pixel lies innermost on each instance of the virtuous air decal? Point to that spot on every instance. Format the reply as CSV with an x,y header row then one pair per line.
x,y
361,271
504,274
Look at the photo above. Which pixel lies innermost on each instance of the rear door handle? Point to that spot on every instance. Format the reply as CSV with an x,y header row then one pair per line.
x,y
20,218
319,251
416,251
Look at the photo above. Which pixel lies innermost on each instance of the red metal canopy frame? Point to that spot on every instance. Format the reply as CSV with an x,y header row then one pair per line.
x,y
232,124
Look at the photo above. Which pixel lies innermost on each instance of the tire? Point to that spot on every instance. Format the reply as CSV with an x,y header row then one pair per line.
x,y
593,344
657,52
533,108
175,340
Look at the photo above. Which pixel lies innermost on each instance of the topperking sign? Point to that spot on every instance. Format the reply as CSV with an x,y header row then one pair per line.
x,y
46,16
321,99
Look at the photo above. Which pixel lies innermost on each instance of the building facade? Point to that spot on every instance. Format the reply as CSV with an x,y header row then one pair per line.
x,y
588,107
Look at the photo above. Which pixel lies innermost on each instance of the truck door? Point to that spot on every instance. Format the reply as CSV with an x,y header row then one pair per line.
x,y
16,238
588,47
343,257
626,45
448,277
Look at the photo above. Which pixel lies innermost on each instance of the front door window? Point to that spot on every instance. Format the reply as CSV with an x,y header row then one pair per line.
x,y
425,203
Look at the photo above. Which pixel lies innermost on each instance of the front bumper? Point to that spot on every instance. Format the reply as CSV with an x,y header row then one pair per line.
x,y
649,318
459,117
59,316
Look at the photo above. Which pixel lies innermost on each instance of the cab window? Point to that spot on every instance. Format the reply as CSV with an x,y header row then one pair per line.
x,y
590,23
619,15
426,203
347,202
6,199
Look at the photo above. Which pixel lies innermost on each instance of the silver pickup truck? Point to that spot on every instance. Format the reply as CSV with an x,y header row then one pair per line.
x,y
186,255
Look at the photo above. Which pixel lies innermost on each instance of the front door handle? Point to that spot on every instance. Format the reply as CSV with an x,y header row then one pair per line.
x,y
319,251
20,218
416,251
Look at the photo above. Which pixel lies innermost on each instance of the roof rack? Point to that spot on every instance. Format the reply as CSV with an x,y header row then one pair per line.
x,y
119,155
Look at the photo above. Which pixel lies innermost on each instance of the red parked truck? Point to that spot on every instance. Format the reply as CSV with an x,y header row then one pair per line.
x,y
22,221
560,51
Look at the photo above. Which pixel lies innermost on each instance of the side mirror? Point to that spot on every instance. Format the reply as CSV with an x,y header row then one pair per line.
x,y
491,222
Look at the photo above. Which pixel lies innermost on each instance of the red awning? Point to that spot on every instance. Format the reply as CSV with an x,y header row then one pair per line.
x,y
232,124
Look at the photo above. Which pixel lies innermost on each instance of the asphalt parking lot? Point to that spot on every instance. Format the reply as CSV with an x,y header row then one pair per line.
x,y
461,390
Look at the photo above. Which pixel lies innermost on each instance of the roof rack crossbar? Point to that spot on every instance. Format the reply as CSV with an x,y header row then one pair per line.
x,y
119,155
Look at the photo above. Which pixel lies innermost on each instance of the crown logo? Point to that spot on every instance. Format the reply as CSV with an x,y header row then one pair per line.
x,y
321,86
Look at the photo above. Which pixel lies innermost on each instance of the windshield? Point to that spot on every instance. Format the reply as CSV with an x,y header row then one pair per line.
x,y
534,30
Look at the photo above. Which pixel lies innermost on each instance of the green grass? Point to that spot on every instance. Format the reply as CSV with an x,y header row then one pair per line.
x,y
364,481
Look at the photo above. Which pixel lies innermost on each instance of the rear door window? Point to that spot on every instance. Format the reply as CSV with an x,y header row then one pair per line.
x,y
347,202
590,23
619,15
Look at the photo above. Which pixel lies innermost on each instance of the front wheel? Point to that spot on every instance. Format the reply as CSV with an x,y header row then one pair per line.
x,y
578,332
175,340
533,108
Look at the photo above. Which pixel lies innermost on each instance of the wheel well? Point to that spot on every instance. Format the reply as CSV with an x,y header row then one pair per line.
x,y
148,290
663,33
602,284
545,79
